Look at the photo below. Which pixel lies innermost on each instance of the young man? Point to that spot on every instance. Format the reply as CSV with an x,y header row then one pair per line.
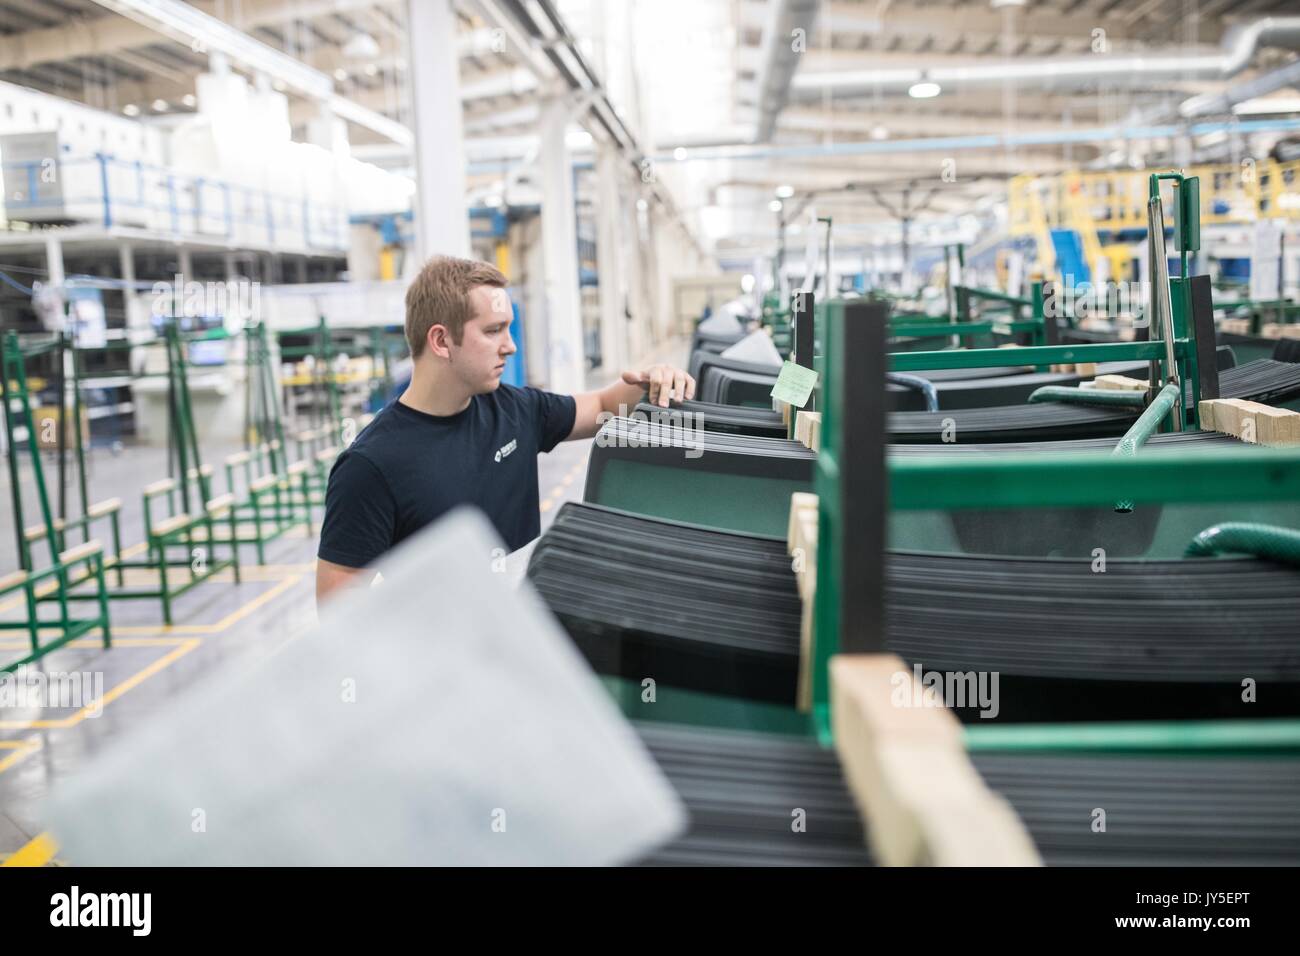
x,y
457,435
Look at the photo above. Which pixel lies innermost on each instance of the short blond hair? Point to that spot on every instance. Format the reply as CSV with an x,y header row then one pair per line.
x,y
440,296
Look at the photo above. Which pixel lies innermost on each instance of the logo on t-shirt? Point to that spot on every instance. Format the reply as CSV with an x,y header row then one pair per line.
x,y
505,450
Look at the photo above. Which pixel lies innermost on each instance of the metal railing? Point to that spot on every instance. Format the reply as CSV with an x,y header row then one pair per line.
x,y
109,191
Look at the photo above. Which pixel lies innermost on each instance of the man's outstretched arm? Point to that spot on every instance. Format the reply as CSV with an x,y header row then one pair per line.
x,y
334,578
664,383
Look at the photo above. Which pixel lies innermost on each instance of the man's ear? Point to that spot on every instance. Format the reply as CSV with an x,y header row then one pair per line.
x,y
438,341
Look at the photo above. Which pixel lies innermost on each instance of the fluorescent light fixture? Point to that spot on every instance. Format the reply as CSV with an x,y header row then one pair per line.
x,y
775,205
159,105
189,99
924,90
131,109
1264,105
679,153
784,192
361,46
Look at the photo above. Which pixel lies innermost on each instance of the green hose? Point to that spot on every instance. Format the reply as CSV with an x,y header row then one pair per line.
x,y
1247,537
1109,397
1142,429
1148,422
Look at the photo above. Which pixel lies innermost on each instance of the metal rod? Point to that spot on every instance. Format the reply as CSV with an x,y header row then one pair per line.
x,y
1161,306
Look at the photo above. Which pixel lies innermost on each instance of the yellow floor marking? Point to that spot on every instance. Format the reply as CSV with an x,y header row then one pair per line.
x,y
234,616
281,585
93,642
131,682
19,753
14,745
38,851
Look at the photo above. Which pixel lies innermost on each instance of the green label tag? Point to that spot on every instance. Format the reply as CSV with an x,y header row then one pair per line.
x,y
794,385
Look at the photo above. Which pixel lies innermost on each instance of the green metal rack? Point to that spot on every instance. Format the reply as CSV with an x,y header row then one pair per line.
x,y
848,609
56,582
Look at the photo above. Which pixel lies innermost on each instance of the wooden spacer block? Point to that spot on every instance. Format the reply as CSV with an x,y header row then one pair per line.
x,y
803,688
1251,422
1205,413
801,541
922,799
804,424
1120,383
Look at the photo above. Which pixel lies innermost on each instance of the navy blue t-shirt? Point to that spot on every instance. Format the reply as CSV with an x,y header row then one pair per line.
x,y
408,468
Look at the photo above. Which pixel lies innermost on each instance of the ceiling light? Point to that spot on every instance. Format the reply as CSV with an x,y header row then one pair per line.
x,y
361,46
159,106
189,99
679,153
131,109
924,90
774,205
340,74
784,192
879,132
371,69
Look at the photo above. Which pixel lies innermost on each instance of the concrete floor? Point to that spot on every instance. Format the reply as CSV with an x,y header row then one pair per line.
x,y
149,664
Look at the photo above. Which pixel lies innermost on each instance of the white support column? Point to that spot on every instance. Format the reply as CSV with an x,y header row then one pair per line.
x,y
185,263
441,216
609,259
54,262
137,316
560,253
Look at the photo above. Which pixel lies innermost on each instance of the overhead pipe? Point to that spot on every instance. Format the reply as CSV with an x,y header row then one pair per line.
x,y
778,59
1237,49
1100,134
